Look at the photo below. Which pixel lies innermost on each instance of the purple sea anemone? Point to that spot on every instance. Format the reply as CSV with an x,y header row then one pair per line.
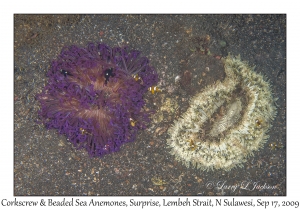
x,y
93,98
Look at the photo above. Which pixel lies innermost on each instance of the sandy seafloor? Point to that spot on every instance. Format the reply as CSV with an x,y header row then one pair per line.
x,y
46,164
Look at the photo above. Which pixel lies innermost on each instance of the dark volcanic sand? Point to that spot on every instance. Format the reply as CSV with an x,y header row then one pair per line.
x,y
46,164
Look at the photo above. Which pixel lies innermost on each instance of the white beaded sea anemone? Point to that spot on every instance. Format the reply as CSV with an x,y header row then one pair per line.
x,y
226,122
